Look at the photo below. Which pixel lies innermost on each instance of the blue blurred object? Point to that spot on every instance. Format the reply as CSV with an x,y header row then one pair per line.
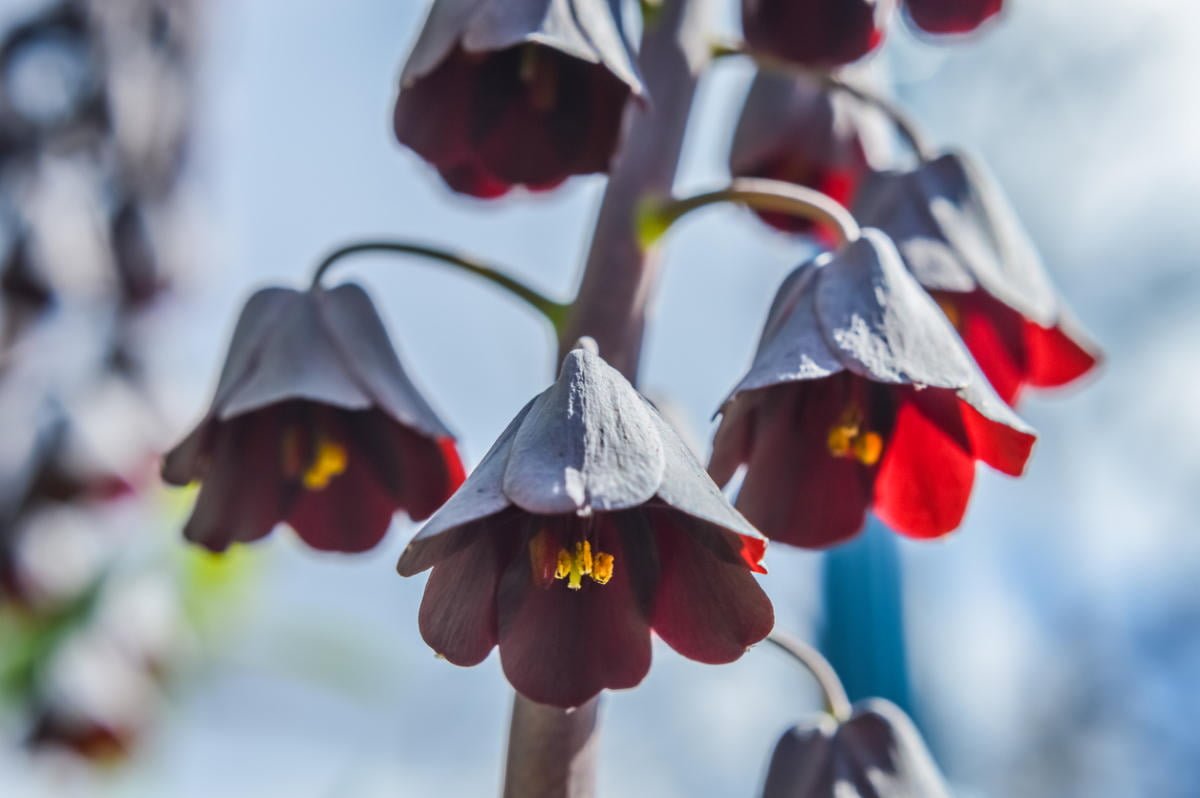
x,y
862,633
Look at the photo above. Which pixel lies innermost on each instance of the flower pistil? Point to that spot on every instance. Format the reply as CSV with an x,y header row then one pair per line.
x,y
847,438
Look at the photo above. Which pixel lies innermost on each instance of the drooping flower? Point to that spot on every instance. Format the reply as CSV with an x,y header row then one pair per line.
x,y
963,242
588,524
794,129
314,423
875,753
951,16
861,395
817,33
499,93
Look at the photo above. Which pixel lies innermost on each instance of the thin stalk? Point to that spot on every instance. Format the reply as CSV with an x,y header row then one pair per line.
x,y
837,703
554,312
904,124
761,195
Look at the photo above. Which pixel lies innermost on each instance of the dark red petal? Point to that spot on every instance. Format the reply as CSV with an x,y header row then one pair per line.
x,y
705,608
242,497
925,477
458,612
952,16
1054,358
822,33
562,647
795,491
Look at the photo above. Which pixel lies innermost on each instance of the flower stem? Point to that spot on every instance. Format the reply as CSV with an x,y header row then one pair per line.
x,y
551,752
554,312
760,194
904,124
837,703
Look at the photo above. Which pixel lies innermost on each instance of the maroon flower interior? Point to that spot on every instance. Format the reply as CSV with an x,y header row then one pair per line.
x,y
821,33
951,16
528,115
563,638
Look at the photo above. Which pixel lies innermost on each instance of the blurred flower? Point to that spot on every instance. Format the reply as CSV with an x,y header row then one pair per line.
x,y
517,92
963,242
588,524
818,33
315,423
792,128
861,395
951,16
875,753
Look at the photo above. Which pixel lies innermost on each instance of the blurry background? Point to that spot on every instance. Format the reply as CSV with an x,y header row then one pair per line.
x,y
1054,641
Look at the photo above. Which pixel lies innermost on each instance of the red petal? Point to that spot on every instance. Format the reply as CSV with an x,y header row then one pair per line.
x,y
1054,358
562,647
925,478
707,609
992,333
952,16
795,491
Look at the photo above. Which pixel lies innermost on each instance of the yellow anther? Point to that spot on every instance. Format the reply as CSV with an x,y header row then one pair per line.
x,y
575,566
329,461
565,562
540,75
602,568
951,310
847,438
868,448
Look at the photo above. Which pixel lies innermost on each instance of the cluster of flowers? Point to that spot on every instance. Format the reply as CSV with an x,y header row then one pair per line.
x,y
887,368
94,105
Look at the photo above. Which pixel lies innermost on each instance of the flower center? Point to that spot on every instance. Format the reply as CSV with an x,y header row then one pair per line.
x,y
540,77
847,438
950,308
571,563
329,459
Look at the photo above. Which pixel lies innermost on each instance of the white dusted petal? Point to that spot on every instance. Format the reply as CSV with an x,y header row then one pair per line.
x,y
294,359
255,323
481,496
880,322
588,443
358,333
792,348
440,34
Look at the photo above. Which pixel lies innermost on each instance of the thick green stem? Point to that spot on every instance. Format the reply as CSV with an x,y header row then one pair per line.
x,y
554,312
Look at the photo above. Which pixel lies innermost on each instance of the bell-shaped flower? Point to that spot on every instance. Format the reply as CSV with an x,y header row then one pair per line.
x,y
817,33
951,16
861,395
794,129
963,242
588,524
498,93
875,753
316,424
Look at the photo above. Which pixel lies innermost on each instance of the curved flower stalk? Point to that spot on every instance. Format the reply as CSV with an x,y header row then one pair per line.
x,y
499,93
588,524
861,395
315,423
964,243
817,33
877,752
798,129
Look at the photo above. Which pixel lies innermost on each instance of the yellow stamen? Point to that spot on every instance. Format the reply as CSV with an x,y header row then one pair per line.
x,y
329,461
565,563
574,567
847,438
538,73
602,569
951,310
